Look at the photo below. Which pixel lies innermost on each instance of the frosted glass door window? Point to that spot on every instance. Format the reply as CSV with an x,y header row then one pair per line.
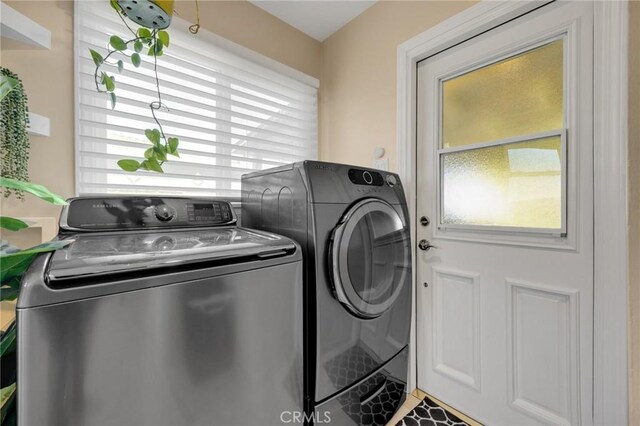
x,y
516,184
516,96
502,144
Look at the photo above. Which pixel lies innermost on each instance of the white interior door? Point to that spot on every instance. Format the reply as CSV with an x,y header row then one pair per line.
x,y
505,171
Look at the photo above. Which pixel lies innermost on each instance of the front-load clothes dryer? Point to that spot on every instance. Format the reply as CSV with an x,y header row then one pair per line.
x,y
160,311
352,224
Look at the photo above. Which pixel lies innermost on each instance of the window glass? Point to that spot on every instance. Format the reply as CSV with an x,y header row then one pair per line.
x,y
515,185
517,96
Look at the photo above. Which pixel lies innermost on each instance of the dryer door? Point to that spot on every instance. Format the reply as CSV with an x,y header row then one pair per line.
x,y
370,258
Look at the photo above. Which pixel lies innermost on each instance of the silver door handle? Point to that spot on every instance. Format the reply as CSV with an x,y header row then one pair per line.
x,y
425,245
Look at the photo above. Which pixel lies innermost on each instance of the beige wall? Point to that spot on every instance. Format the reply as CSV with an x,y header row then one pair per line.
x,y
358,81
634,212
48,78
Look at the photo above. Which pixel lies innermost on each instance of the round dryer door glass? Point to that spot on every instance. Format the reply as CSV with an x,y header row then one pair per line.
x,y
370,258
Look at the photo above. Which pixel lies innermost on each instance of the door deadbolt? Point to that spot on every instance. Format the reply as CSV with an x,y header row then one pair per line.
x,y
424,221
425,245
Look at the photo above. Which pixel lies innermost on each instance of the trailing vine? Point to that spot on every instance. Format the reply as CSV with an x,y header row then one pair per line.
x,y
14,140
154,41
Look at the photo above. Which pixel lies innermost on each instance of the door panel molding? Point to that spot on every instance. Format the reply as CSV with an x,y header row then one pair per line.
x,y
527,316
463,322
610,153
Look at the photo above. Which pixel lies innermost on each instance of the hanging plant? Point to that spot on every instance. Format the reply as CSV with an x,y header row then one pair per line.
x,y
151,41
14,123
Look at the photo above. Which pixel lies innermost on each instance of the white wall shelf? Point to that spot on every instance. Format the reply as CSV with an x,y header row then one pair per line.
x,y
18,27
39,125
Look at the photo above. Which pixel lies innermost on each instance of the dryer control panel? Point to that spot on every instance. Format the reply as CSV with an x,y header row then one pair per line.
x,y
135,213
365,177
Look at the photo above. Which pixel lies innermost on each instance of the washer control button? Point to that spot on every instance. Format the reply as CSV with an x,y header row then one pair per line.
x,y
367,177
391,180
164,213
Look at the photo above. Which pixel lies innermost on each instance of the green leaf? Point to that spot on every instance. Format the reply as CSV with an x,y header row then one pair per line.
x,y
163,36
32,188
8,342
107,80
137,46
97,58
14,265
114,4
120,65
156,49
144,32
117,43
153,165
135,60
129,165
173,146
161,153
7,397
13,283
12,224
113,100
153,135
148,153
8,293
7,84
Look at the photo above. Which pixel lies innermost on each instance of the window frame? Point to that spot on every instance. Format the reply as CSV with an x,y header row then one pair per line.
x,y
468,231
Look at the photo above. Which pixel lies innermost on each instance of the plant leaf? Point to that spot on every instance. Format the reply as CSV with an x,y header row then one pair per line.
x,y
161,153
173,146
7,398
8,293
120,65
8,342
135,60
117,43
156,49
163,36
137,46
144,32
108,82
97,58
153,165
113,100
7,84
129,165
13,283
153,135
14,265
32,188
148,153
12,224
114,4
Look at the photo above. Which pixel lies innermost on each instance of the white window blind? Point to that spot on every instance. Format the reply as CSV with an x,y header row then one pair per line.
x,y
232,113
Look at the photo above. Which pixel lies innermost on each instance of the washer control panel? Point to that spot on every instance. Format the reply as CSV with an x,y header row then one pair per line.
x,y
113,213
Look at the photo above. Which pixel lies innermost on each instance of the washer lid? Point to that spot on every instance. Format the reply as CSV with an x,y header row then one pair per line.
x,y
98,255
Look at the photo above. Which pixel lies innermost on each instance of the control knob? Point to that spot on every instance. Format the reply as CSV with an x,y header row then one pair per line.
x,y
164,213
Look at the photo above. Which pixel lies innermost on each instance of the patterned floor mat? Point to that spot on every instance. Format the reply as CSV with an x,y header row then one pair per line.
x,y
428,413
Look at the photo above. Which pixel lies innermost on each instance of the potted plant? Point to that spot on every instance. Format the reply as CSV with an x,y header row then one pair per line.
x,y
13,261
151,38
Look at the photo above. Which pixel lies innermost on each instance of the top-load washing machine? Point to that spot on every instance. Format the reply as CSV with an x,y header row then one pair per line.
x,y
352,224
160,311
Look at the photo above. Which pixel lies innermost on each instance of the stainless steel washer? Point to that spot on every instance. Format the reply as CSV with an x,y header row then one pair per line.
x,y
160,312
